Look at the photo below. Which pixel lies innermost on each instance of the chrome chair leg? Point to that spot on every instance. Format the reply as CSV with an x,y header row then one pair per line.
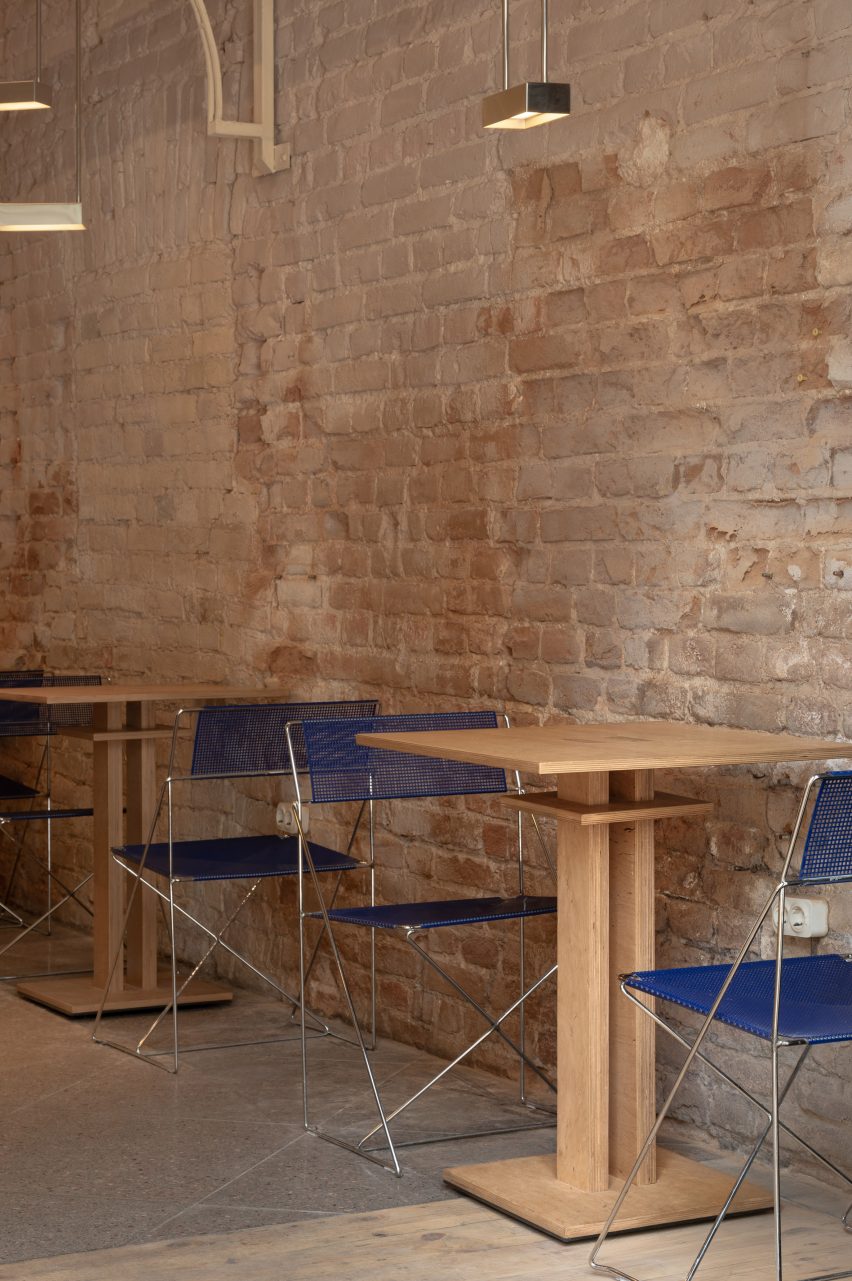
x,y
19,922
305,970
20,844
70,894
19,847
173,951
316,947
494,1027
664,1111
205,929
172,910
395,1168
740,1088
16,921
373,1002
744,1172
318,941
773,1123
49,859
303,1041
178,991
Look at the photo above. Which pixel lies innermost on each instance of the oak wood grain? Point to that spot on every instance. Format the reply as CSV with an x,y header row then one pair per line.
x,y
661,805
582,1003
131,692
581,749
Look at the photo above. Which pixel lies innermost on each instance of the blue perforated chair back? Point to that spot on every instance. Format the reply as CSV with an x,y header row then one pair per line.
x,y
351,709
827,854
21,719
232,741
342,770
62,715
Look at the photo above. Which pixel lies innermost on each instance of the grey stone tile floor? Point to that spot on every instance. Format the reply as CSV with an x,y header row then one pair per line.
x,y
101,1150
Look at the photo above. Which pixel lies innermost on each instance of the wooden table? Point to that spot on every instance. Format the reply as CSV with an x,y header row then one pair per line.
x,y
123,726
605,806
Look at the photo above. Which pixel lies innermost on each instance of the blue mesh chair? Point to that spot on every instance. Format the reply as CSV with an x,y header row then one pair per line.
x,y
27,720
341,770
240,742
799,1002
18,720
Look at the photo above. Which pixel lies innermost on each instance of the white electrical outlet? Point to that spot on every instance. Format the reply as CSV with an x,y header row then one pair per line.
x,y
804,918
285,820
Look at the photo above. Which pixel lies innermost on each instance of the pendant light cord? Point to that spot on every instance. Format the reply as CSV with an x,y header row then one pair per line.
x,y
544,41
79,90
544,59
38,41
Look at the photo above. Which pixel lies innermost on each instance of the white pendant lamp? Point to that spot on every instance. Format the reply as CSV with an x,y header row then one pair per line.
x,y
46,215
25,95
41,216
28,95
524,106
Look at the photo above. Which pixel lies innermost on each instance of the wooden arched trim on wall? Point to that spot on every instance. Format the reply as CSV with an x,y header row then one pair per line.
x,y
270,158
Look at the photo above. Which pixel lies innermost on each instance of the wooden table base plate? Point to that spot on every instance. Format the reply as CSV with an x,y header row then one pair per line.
x,y
76,994
527,1188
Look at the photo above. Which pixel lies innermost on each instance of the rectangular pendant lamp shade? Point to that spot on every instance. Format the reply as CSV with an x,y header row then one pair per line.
x,y
25,95
41,216
526,105
533,103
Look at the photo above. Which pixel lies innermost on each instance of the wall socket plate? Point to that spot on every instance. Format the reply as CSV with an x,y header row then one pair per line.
x,y
285,821
804,918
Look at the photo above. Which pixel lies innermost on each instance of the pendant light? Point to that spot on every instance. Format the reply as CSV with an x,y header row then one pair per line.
x,y
45,215
27,95
532,103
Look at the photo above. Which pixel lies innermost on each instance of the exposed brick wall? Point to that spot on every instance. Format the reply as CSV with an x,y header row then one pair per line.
x,y
557,422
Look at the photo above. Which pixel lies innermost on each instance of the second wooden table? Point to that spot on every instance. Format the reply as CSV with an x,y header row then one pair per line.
x,y
123,725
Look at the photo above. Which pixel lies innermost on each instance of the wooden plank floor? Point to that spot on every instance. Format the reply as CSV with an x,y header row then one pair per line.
x,y
448,1241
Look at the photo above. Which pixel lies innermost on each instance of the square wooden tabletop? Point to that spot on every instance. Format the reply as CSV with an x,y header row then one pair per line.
x,y
137,692
634,745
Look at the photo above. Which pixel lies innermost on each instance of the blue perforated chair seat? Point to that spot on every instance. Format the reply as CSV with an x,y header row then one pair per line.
x,y
12,790
431,916
24,816
234,858
816,996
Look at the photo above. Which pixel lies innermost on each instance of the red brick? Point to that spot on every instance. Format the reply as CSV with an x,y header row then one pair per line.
x,y
690,242
773,228
453,418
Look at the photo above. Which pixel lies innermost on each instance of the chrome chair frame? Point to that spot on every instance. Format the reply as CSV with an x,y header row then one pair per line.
x,y
774,1125
32,725
410,936
171,908
50,721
